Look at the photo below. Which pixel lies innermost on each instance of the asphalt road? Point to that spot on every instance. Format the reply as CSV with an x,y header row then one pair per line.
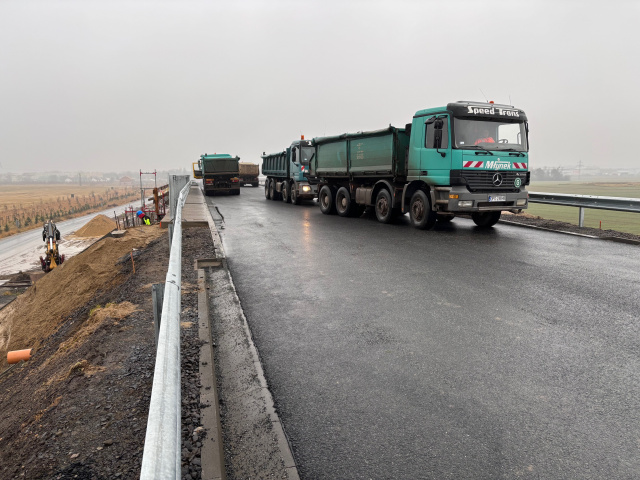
x,y
453,353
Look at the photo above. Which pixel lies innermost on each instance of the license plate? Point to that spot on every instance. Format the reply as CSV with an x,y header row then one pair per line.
x,y
497,198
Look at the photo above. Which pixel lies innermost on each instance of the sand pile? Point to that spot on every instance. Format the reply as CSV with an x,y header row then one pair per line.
x,y
40,311
97,227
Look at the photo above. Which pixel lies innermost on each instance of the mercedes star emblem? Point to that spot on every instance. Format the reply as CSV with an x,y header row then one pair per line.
x,y
497,179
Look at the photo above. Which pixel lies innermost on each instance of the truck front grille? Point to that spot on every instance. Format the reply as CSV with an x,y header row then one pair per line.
x,y
483,180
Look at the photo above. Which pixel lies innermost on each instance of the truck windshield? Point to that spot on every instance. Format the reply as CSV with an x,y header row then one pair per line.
x,y
305,156
490,134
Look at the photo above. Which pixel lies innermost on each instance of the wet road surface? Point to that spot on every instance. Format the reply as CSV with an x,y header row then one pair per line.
x,y
453,353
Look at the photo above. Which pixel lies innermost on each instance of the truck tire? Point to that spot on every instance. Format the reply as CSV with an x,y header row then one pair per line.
x,y
295,198
255,184
236,191
286,192
272,190
267,190
344,206
485,219
325,199
420,213
384,211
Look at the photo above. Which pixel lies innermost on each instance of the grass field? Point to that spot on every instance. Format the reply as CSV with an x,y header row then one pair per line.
x,y
23,207
620,221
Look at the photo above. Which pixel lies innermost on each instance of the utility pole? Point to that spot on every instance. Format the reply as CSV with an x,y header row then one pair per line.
x,y
579,169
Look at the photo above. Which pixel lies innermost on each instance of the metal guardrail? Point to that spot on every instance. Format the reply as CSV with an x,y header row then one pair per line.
x,y
162,453
619,204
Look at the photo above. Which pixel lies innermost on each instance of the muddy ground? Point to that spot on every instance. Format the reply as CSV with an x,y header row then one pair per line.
x,y
539,222
78,408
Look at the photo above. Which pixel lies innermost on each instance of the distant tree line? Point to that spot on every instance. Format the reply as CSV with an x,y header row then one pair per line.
x,y
549,174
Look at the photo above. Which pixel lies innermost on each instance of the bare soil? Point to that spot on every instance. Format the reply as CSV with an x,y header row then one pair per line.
x,y
97,227
78,408
539,222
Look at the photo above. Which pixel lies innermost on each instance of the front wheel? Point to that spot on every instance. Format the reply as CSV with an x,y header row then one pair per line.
x,y
384,210
420,213
485,219
295,198
325,199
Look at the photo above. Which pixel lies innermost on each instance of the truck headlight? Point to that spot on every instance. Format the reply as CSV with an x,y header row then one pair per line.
x,y
306,188
465,203
521,202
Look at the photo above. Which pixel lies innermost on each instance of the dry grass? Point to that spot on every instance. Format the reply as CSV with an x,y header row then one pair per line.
x,y
23,207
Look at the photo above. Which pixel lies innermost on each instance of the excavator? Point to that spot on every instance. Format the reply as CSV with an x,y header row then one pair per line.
x,y
51,235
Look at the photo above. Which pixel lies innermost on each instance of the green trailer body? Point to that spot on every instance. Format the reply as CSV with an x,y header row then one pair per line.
x,y
380,153
467,158
220,173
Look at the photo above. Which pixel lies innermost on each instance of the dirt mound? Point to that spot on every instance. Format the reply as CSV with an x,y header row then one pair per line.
x,y
98,226
43,308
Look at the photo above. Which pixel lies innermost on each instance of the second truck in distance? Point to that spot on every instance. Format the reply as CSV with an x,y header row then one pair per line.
x,y
287,172
466,158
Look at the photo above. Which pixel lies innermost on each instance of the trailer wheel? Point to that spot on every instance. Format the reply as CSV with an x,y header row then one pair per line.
x,y
422,217
344,207
384,211
485,219
267,189
325,199
272,190
295,199
286,192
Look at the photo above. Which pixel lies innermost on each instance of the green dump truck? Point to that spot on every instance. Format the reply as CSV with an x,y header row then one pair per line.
x,y
467,158
220,173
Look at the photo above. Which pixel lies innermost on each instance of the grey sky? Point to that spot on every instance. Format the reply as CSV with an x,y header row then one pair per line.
x,y
111,85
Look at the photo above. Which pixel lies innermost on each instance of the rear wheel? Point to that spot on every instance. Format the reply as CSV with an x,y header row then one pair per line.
x,y
272,189
325,199
384,210
295,199
267,189
286,192
254,184
422,217
485,219
236,191
344,207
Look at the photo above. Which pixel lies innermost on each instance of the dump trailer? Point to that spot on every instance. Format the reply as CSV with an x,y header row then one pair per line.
x,y
287,172
249,174
468,158
220,173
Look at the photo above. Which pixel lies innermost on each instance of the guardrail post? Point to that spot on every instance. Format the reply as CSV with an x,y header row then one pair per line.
x,y
581,217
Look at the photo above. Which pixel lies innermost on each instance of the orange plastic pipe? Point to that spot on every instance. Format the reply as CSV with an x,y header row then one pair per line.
x,y
17,355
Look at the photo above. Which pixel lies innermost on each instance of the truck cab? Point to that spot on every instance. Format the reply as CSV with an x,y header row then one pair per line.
x,y
469,157
287,173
